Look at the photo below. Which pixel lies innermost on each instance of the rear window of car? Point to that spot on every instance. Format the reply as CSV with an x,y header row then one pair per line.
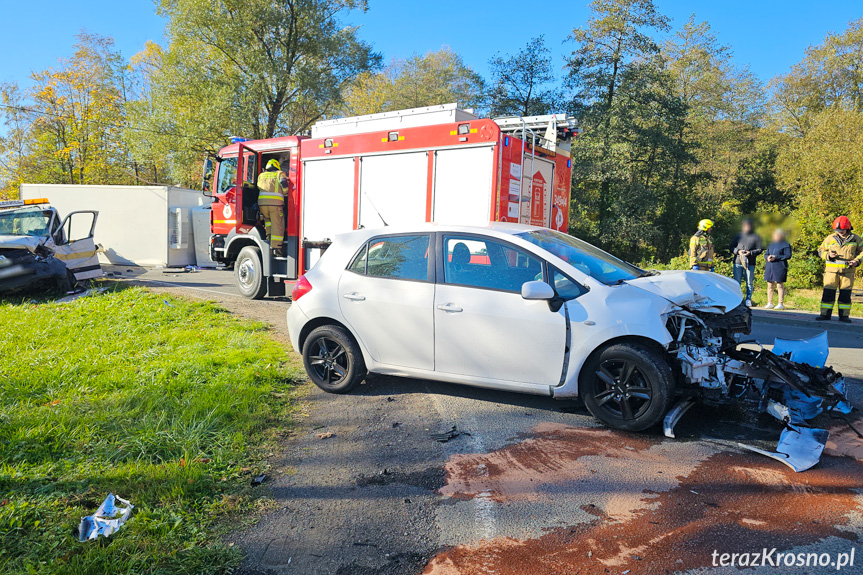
x,y
394,257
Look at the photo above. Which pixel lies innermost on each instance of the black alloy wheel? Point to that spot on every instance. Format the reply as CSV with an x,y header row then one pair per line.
x,y
333,359
621,390
329,361
627,386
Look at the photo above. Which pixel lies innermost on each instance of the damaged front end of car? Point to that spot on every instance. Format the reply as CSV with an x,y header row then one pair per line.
x,y
717,364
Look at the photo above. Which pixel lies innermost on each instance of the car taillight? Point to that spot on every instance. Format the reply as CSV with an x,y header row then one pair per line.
x,y
301,288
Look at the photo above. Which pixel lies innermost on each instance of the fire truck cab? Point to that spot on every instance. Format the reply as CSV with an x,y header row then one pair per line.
x,y
434,164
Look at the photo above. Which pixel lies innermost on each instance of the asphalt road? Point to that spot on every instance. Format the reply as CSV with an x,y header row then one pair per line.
x,y
537,486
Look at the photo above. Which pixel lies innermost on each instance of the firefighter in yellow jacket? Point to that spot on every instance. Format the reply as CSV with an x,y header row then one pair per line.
x,y
701,247
842,251
273,186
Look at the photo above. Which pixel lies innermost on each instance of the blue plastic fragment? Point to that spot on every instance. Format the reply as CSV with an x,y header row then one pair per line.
x,y
812,351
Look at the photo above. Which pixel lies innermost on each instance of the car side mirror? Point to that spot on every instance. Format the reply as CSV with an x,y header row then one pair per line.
x,y
537,290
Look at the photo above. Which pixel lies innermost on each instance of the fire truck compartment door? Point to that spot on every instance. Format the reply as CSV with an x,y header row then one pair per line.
x,y
328,201
536,191
393,187
462,186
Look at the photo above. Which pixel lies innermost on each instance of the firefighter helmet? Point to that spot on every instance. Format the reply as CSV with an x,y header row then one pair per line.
x,y
274,163
842,223
705,225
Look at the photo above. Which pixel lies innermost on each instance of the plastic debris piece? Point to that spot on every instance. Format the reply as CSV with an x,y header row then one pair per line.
x,y
85,293
258,479
842,407
673,416
109,517
812,351
799,447
451,433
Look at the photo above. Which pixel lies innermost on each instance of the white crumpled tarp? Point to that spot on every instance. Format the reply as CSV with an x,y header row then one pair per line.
x,y
107,519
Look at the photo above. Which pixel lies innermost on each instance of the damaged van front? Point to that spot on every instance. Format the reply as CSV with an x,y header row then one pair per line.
x,y
37,248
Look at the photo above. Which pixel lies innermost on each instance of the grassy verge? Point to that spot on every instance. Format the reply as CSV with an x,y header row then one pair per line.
x,y
171,404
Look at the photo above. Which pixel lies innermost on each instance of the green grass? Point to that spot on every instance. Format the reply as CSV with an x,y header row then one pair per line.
x,y
170,404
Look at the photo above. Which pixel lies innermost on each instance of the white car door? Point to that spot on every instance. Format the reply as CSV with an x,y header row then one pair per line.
x,y
483,327
387,296
75,247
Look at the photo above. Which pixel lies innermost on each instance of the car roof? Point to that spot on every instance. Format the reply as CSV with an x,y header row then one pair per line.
x,y
503,228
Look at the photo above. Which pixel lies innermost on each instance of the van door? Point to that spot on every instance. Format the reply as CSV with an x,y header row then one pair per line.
x,y
75,247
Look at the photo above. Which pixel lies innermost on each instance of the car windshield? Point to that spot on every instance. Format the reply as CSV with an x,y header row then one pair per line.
x,y
582,256
25,222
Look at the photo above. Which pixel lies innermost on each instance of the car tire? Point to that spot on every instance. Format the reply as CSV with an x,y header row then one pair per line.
x,y
249,273
627,386
333,359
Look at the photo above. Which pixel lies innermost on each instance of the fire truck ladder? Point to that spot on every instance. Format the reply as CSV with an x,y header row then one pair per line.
x,y
558,127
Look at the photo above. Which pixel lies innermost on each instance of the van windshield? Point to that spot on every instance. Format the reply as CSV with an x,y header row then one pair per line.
x,y
582,256
24,222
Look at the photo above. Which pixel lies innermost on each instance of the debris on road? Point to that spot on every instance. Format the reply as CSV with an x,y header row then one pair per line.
x,y
789,383
108,518
325,435
452,433
799,448
82,293
258,479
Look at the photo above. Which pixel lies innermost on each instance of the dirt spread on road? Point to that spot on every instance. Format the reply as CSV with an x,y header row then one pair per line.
x,y
730,502
845,440
558,454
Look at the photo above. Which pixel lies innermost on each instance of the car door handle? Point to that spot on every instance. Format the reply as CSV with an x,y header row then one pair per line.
x,y
354,296
450,307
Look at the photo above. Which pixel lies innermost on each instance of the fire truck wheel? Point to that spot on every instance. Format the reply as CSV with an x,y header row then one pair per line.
x,y
249,271
333,359
627,386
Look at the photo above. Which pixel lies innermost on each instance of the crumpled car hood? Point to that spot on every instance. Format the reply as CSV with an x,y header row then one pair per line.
x,y
20,242
703,291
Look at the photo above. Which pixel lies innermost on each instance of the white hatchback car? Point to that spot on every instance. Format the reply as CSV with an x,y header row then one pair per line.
x,y
516,308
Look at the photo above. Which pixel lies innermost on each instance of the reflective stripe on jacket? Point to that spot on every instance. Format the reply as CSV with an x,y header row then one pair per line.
x,y
272,191
848,249
701,251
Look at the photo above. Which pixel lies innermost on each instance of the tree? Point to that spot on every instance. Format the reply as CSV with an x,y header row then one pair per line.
x,y
255,68
724,114
520,82
818,118
422,80
67,128
628,111
14,141
830,74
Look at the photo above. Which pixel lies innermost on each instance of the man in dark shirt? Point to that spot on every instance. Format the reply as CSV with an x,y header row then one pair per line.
x,y
746,246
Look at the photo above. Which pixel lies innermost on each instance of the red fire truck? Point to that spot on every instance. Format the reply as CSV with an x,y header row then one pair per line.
x,y
434,164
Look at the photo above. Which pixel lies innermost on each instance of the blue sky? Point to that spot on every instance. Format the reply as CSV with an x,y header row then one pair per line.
x,y
767,35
